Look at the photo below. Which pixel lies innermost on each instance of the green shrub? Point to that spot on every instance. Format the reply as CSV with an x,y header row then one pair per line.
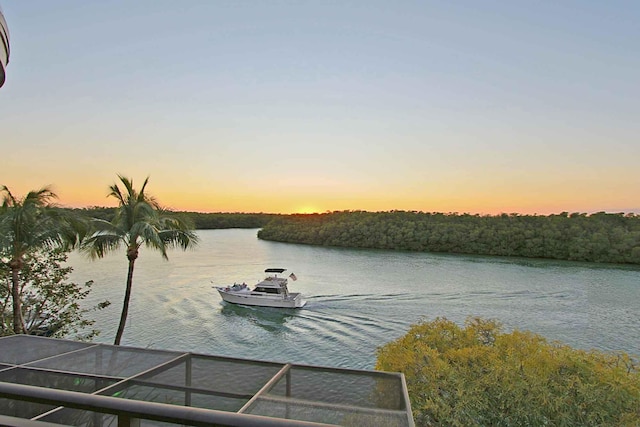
x,y
480,376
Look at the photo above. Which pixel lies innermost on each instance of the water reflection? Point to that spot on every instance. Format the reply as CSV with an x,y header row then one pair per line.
x,y
269,318
543,263
357,299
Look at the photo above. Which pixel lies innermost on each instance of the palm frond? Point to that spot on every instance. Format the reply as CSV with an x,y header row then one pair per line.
x,y
183,239
149,234
101,243
144,211
147,198
35,222
114,191
105,237
40,198
128,185
139,220
144,185
177,232
8,199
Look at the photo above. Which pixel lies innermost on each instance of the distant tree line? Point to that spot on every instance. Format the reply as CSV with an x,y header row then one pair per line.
x,y
209,221
202,221
599,237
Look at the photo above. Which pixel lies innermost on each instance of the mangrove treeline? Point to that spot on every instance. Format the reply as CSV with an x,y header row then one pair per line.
x,y
600,237
201,221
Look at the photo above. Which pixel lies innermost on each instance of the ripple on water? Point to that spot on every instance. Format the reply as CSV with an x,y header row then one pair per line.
x,y
352,306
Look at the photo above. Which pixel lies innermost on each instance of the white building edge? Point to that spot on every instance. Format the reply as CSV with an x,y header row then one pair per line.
x,y
4,48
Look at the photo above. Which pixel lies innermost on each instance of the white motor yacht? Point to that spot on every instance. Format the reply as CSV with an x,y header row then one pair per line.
x,y
272,291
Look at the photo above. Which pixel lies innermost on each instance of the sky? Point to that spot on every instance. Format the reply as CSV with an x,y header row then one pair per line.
x,y
528,107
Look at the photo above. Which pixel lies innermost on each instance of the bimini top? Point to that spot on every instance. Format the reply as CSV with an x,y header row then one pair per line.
x,y
4,47
275,270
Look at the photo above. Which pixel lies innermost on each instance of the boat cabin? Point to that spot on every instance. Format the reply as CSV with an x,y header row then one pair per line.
x,y
272,284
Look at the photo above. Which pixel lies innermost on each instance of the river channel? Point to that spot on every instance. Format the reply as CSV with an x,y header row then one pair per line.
x,y
357,299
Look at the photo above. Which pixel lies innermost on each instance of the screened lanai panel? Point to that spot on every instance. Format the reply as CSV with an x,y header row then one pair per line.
x,y
73,417
182,397
44,379
20,349
235,376
22,409
77,417
183,383
54,380
344,387
111,361
331,414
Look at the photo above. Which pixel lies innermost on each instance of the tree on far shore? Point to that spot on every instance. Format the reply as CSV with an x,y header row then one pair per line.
x,y
138,220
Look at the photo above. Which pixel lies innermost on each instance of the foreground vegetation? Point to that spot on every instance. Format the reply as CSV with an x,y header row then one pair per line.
x,y
35,295
28,225
479,376
50,304
600,237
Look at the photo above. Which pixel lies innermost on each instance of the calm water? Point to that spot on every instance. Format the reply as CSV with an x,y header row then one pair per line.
x,y
357,299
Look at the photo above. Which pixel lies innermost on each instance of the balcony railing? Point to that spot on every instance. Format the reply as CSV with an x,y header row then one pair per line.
x,y
73,383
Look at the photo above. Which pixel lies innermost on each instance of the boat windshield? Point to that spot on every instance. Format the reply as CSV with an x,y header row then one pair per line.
x,y
267,290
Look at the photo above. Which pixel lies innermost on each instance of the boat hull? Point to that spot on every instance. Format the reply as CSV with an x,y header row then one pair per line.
x,y
293,300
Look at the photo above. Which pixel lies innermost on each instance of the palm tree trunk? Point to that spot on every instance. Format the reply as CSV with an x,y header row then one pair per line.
x,y
18,322
125,303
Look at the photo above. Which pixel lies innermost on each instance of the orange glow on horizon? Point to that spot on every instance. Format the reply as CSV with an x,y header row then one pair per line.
x,y
230,200
307,210
225,204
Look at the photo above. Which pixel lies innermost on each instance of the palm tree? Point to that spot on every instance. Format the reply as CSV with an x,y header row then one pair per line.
x,y
138,221
30,224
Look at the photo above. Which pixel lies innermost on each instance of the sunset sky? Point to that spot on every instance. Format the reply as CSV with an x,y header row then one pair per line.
x,y
300,106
